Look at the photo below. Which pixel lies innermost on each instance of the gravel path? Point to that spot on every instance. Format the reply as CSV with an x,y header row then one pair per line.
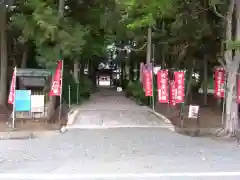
x,y
141,147
124,151
109,108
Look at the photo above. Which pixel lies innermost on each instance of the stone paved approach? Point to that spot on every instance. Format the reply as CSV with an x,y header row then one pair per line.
x,y
115,154
109,108
119,154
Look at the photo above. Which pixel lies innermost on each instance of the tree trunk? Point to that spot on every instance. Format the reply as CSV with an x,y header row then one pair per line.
x,y
3,44
132,67
205,81
51,103
127,69
92,70
189,83
231,104
81,72
122,75
149,45
61,8
228,55
135,76
76,71
231,118
24,62
52,100
24,57
163,49
205,61
163,66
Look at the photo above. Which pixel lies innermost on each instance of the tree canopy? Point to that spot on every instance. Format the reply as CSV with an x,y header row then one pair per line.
x,y
185,34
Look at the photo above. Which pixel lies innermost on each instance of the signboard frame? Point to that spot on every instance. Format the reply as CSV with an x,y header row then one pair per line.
x,y
23,72
22,101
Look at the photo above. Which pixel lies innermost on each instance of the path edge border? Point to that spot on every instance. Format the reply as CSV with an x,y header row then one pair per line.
x,y
23,135
165,119
72,117
211,131
72,114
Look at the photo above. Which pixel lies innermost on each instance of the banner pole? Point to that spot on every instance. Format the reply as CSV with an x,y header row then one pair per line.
x,y
69,96
153,95
224,98
77,91
60,105
13,113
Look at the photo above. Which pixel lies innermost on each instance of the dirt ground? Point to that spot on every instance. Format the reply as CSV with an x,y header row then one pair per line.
x,y
26,125
210,115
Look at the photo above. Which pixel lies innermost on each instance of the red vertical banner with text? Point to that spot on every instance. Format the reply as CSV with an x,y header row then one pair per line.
x,y
162,85
11,96
179,78
172,93
56,83
143,76
219,82
148,83
238,89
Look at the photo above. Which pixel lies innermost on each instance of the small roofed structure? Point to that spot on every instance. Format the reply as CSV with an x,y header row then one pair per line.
x,y
38,81
33,77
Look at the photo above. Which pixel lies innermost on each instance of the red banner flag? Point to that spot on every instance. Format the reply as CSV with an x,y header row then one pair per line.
x,y
162,85
143,77
148,83
56,83
11,96
179,85
219,81
238,90
172,93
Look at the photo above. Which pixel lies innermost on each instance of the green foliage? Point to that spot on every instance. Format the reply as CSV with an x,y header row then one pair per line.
x,y
125,83
142,13
38,21
84,88
84,31
135,90
233,45
68,80
217,2
101,19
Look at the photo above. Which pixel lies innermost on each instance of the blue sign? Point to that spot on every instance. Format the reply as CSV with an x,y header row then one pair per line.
x,y
23,100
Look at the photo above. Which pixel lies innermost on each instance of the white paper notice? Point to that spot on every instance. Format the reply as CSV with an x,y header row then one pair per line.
x,y
37,103
193,111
